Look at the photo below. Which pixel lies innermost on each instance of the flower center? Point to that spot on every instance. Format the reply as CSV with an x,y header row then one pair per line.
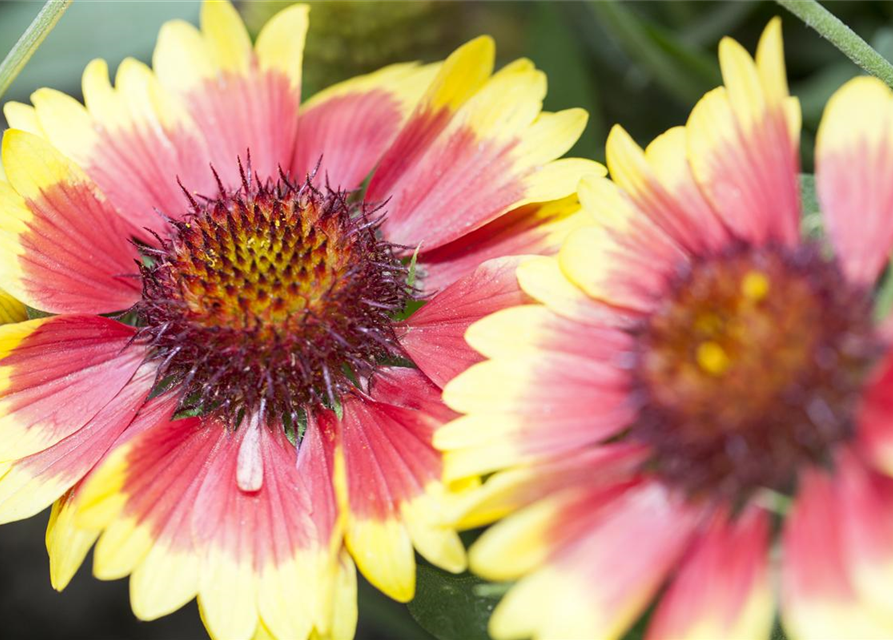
x,y
271,297
751,367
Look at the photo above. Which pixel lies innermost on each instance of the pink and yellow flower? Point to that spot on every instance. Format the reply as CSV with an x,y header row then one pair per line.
x,y
693,410
227,394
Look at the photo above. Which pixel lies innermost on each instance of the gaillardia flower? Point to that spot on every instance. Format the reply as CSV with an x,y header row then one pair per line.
x,y
698,398
227,389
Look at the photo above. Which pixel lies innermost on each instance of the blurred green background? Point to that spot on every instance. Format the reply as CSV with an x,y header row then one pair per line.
x,y
642,64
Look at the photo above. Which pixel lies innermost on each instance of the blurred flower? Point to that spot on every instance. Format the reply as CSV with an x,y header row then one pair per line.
x,y
695,383
234,393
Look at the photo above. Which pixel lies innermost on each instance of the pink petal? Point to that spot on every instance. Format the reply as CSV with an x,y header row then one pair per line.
x,y
67,250
722,589
34,482
349,126
434,336
854,161
875,418
531,229
60,372
636,539
818,598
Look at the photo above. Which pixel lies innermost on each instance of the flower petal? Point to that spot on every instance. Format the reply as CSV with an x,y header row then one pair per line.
x,y
818,599
142,498
866,507
625,260
875,419
22,116
659,183
64,249
460,76
504,492
542,279
261,553
743,143
227,40
389,483
533,328
478,140
205,69
524,541
56,374
11,310
723,588
434,336
174,517
335,601
530,406
347,128
545,384
497,434
134,141
854,159
68,544
532,229
32,483
569,597
280,43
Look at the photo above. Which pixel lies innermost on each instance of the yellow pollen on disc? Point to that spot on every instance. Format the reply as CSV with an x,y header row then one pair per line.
x,y
755,286
712,358
751,366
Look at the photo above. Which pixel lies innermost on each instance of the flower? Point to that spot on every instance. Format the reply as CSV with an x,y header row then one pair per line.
x,y
696,383
229,394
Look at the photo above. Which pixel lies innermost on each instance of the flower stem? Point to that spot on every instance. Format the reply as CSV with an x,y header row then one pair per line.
x,y
841,36
22,51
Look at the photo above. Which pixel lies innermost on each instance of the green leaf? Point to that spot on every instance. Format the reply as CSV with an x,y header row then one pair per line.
x,y
36,313
32,38
337,407
411,276
778,632
691,61
715,21
883,301
453,607
571,80
684,72
381,617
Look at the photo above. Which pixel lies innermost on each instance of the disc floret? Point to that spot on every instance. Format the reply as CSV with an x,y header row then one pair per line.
x,y
271,296
752,366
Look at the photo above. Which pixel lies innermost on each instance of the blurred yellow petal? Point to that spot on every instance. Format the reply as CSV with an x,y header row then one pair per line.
x,y
226,36
280,44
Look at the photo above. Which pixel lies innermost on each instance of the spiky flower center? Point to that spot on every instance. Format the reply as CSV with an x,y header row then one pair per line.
x,y
271,297
751,367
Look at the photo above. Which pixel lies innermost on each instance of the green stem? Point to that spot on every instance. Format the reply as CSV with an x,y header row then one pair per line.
x,y
841,36
22,51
